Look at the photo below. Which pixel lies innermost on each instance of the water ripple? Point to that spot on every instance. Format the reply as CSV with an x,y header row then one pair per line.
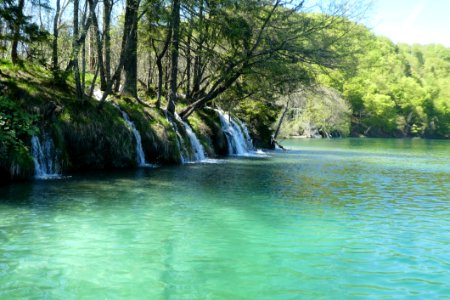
x,y
314,223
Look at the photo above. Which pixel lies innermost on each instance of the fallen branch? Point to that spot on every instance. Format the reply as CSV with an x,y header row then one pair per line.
x,y
276,143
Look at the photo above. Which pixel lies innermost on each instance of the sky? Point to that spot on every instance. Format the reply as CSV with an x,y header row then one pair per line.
x,y
411,21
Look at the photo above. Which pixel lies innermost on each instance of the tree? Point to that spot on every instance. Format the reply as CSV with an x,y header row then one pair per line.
x,y
172,95
258,39
158,36
21,28
55,65
76,45
129,49
107,10
19,21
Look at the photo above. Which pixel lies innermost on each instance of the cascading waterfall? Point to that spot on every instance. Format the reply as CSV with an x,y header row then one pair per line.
x,y
199,152
45,157
140,155
180,142
245,133
238,139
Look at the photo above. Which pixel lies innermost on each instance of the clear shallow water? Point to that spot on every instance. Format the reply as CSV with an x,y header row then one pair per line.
x,y
340,219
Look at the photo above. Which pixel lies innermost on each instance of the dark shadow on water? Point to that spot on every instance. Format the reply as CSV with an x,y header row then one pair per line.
x,y
47,193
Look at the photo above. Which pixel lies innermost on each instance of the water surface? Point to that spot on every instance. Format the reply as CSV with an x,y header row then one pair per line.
x,y
339,219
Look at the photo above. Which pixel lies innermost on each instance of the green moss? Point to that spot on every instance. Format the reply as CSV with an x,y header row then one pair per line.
x,y
203,131
259,117
210,119
22,165
100,138
87,137
158,137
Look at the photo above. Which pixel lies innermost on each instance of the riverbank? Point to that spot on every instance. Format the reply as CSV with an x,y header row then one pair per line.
x,y
46,132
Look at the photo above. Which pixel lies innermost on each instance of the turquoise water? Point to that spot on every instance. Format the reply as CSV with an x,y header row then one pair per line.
x,y
329,219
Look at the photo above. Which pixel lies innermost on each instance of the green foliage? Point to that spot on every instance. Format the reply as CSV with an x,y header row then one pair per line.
x,y
15,126
259,116
21,163
316,111
14,17
159,140
397,90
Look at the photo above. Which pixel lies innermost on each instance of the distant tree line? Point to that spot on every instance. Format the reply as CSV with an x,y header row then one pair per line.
x,y
391,91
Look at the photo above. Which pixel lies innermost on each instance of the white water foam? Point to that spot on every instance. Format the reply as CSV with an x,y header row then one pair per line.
x,y
199,152
45,158
140,155
238,138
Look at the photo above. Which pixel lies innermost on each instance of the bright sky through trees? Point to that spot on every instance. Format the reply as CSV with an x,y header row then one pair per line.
x,y
412,21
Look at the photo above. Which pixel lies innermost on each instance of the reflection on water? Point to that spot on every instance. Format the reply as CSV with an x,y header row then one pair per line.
x,y
327,219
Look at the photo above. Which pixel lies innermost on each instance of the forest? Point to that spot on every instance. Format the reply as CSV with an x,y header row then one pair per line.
x,y
300,68
393,91
223,149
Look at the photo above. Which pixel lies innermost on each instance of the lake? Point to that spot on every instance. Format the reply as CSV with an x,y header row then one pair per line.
x,y
328,219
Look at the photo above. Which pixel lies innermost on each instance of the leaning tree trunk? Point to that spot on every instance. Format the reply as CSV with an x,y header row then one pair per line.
x,y
280,122
174,56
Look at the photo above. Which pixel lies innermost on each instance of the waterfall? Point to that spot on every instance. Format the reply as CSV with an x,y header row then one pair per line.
x,y
180,142
45,157
98,94
140,156
245,133
238,139
199,152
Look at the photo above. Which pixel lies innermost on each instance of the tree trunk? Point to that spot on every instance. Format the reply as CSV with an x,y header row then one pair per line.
x,y
160,82
215,92
98,42
16,31
166,73
198,59
91,52
2,42
78,40
55,65
130,66
174,56
107,39
188,65
83,70
280,122
76,71
149,73
159,64
114,77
